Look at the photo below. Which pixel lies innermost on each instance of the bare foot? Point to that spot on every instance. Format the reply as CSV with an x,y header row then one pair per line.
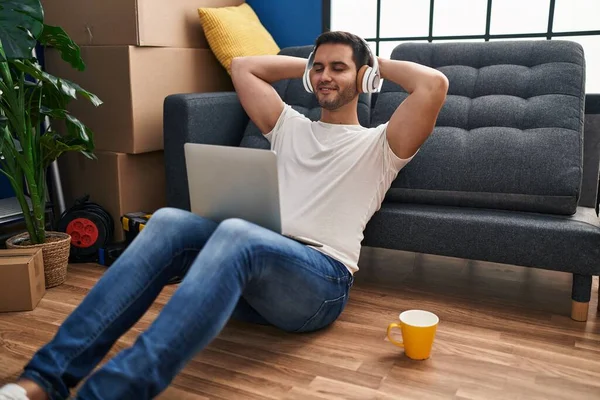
x,y
34,391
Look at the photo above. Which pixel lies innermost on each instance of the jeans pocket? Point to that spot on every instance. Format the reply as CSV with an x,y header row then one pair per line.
x,y
325,315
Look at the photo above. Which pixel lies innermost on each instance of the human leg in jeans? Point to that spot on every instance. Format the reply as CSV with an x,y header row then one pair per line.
x,y
290,285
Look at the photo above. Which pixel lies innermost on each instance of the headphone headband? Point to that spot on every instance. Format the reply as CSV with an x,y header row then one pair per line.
x,y
372,57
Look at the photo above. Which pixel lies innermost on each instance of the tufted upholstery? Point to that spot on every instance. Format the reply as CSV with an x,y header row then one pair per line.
x,y
510,134
292,92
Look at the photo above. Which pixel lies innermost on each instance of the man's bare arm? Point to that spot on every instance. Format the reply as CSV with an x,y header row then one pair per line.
x,y
414,119
252,77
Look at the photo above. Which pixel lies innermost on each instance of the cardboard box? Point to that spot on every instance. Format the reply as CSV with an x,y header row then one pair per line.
x,y
22,281
120,183
133,83
173,23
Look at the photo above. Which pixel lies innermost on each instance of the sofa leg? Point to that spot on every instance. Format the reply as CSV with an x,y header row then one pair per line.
x,y
579,311
580,295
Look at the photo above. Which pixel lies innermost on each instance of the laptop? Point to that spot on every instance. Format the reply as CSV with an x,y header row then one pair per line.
x,y
236,182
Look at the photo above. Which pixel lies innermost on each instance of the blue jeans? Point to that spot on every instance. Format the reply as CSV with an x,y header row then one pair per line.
x,y
232,269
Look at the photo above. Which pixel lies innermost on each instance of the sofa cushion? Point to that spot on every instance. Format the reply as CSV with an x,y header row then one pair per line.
x,y
510,133
292,92
558,242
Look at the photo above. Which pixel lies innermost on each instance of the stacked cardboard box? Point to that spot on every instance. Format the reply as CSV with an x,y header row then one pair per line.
x,y
136,52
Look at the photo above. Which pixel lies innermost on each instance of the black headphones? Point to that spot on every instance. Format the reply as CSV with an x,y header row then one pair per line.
x,y
367,79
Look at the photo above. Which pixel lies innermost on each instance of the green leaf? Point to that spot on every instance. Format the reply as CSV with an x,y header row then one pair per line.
x,y
78,138
35,71
51,97
21,23
62,85
10,149
56,37
53,113
53,145
82,92
2,142
77,131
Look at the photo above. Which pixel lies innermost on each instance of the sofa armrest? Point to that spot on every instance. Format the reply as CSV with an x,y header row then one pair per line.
x,y
210,118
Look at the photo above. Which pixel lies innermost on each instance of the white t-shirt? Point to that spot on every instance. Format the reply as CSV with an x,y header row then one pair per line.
x,y
332,179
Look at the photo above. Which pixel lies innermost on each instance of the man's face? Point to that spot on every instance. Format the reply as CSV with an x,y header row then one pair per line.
x,y
333,75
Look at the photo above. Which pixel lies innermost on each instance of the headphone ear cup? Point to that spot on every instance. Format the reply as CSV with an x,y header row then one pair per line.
x,y
371,80
368,81
306,81
306,77
361,78
372,85
376,82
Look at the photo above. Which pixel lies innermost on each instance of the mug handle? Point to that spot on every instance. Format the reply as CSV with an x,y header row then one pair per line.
x,y
389,329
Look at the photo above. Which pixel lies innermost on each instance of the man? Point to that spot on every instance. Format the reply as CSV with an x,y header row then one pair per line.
x,y
333,176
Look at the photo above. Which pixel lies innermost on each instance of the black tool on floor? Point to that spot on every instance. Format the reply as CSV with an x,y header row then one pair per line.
x,y
108,254
133,223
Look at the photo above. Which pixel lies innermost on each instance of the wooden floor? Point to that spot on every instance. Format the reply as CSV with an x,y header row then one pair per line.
x,y
504,333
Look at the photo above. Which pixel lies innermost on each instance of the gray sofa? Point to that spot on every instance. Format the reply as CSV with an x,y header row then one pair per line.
x,y
502,177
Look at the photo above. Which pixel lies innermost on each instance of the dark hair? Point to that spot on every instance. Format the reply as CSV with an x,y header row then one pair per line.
x,y
360,53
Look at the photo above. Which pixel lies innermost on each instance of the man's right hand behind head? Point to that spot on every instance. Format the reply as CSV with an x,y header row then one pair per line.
x,y
252,77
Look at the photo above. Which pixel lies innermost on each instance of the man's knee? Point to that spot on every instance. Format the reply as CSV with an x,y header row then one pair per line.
x,y
237,229
235,224
167,216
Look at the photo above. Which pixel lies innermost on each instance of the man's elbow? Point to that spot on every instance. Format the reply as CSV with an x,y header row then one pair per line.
x,y
439,84
437,87
238,64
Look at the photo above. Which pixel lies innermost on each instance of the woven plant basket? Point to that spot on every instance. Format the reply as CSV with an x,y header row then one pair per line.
x,y
55,252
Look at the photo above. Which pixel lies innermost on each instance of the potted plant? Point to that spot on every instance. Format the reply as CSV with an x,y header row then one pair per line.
x,y
31,101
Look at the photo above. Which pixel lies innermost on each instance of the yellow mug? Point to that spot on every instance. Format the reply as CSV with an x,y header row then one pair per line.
x,y
418,331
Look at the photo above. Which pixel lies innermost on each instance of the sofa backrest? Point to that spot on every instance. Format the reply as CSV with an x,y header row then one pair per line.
x,y
292,92
510,134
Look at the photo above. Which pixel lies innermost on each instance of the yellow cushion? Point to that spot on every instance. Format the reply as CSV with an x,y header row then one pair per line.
x,y
234,32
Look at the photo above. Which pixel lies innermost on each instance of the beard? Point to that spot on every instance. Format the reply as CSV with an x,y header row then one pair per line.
x,y
337,98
